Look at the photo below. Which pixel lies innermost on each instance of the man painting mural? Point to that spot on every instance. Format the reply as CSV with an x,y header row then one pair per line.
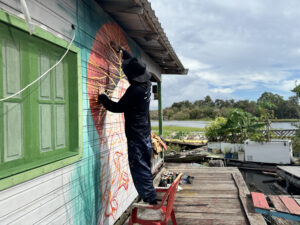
x,y
135,106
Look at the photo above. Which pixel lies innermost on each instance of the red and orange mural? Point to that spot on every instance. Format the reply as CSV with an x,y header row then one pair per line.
x,y
105,75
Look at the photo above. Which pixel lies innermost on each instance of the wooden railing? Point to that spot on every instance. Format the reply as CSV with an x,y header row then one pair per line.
x,y
281,133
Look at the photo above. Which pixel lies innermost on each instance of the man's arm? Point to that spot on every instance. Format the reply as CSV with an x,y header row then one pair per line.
x,y
118,48
116,107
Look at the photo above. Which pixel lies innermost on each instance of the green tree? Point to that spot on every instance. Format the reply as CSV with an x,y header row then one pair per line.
x,y
208,101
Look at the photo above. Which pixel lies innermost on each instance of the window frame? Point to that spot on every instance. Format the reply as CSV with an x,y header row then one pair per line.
x,y
29,172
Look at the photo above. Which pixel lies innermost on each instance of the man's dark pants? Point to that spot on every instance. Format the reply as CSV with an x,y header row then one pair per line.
x,y
139,156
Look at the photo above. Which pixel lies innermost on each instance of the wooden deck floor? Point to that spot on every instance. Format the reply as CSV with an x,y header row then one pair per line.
x,y
217,196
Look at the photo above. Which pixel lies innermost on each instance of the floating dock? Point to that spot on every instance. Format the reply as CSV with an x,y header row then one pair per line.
x,y
291,174
190,143
282,206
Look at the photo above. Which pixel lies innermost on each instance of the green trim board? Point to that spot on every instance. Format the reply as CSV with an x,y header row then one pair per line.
x,y
48,161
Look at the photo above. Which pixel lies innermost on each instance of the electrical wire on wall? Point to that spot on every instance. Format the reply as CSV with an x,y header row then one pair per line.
x,y
30,27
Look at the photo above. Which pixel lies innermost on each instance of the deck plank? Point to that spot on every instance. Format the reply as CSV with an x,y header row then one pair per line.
x,y
216,216
297,200
206,209
291,204
217,202
209,186
278,204
185,221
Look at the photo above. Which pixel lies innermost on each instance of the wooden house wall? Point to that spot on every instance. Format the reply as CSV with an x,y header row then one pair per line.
x,y
98,188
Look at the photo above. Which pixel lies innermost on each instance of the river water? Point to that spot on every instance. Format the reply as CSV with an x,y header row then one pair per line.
x,y
202,124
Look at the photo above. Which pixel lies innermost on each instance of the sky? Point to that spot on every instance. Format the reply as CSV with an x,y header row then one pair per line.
x,y
233,49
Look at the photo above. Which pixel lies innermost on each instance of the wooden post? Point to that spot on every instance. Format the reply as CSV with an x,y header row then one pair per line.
x,y
160,112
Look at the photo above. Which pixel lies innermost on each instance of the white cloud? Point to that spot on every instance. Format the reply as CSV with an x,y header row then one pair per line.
x,y
223,90
193,64
231,47
286,85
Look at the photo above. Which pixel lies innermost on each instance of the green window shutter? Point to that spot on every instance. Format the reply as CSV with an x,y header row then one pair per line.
x,y
60,126
13,135
12,112
35,127
45,127
11,67
59,82
44,65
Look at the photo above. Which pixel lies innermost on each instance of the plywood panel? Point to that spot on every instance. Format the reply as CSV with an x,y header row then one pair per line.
x,y
45,128
13,131
45,83
60,127
11,67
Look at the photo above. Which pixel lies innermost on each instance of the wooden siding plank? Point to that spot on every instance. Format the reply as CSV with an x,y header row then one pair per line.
x,y
259,200
291,204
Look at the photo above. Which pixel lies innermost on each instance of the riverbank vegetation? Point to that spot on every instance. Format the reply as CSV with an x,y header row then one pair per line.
x,y
207,109
177,132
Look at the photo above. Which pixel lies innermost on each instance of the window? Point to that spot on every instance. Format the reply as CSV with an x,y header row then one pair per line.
x,y
39,126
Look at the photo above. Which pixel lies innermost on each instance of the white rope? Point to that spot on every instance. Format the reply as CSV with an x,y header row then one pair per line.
x,y
27,16
44,74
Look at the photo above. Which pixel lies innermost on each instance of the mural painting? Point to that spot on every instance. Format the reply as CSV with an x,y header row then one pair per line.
x,y
108,170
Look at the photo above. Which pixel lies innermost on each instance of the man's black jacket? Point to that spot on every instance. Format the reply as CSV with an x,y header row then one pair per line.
x,y
135,106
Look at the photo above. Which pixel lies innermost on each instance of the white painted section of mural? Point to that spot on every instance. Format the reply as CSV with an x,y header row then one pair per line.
x,y
118,190
99,188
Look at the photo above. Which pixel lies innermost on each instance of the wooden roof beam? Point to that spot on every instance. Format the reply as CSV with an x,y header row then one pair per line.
x,y
169,70
121,7
155,51
143,34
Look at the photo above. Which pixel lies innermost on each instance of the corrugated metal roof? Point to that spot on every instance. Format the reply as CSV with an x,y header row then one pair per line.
x,y
138,19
